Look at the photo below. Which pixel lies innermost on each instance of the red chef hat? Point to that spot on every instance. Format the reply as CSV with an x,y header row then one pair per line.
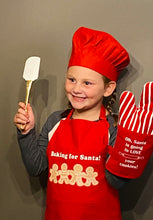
x,y
98,51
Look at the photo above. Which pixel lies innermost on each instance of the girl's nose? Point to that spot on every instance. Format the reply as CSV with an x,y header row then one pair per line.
x,y
77,88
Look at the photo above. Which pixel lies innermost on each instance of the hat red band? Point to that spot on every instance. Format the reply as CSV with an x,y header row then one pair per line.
x,y
103,67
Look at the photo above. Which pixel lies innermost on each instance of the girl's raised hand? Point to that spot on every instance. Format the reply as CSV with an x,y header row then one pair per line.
x,y
24,118
134,142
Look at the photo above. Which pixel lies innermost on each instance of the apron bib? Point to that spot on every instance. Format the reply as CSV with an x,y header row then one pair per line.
x,y
77,187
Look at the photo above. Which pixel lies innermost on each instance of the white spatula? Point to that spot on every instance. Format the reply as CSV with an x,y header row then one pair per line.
x,y
31,72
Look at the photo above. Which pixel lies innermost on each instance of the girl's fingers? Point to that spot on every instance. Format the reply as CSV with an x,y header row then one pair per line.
x,y
23,112
20,121
22,105
21,118
21,124
24,118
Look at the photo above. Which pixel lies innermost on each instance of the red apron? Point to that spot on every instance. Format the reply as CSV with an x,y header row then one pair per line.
x,y
77,186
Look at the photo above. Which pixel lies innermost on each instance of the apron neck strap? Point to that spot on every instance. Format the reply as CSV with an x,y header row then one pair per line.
x,y
102,113
70,114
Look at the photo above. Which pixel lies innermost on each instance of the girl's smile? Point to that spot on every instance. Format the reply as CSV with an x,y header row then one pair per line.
x,y
78,99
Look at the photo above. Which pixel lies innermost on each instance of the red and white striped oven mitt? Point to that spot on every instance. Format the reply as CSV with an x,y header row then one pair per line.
x,y
134,142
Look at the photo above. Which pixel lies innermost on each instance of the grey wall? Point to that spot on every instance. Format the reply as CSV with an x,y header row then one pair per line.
x,y
45,28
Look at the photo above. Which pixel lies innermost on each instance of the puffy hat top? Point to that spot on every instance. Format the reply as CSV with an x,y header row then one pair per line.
x,y
98,51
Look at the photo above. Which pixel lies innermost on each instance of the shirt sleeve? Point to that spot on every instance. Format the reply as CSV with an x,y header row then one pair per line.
x,y
115,181
33,147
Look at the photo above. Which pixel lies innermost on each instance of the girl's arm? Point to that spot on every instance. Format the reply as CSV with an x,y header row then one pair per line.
x,y
115,181
33,151
33,147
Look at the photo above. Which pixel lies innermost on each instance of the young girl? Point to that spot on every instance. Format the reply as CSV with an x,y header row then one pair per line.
x,y
73,144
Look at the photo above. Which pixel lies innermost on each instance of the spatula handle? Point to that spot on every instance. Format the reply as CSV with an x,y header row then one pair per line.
x,y
28,88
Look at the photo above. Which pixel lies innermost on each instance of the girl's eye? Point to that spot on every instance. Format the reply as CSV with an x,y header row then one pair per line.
x,y
87,83
71,79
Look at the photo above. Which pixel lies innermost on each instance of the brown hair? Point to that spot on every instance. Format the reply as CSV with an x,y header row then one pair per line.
x,y
110,100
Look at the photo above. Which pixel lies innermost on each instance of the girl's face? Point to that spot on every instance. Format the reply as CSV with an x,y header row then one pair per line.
x,y
84,88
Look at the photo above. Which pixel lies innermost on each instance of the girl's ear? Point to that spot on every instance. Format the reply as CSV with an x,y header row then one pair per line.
x,y
109,88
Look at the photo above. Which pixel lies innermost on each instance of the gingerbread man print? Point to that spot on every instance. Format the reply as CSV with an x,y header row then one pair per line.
x,y
64,173
77,175
91,177
54,173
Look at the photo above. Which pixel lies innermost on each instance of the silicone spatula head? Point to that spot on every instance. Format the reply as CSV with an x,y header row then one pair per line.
x,y
31,69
